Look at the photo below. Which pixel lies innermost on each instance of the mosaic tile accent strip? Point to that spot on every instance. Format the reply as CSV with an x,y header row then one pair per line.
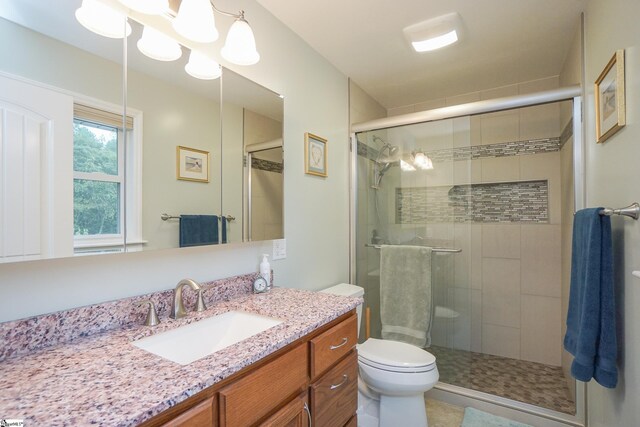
x,y
528,382
23,336
365,151
266,165
566,133
504,149
525,201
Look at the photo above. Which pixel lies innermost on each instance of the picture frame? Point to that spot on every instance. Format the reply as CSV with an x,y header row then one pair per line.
x,y
192,164
315,155
610,98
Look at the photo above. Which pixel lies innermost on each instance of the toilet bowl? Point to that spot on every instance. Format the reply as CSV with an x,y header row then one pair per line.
x,y
393,377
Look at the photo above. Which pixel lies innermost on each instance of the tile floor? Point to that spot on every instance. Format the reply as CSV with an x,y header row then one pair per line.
x,y
520,380
442,414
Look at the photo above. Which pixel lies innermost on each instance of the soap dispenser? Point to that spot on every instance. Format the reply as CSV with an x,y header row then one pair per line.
x,y
265,270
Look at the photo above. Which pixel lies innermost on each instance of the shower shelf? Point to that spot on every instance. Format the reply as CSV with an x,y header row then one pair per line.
x,y
444,250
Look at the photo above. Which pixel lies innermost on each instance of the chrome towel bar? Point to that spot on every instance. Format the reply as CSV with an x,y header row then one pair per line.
x,y
166,216
632,211
444,250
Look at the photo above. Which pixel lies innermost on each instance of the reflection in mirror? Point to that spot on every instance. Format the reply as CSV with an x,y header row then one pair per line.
x,y
253,168
62,169
177,110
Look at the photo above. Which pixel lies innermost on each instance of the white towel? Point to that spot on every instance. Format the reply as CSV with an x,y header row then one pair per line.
x,y
405,294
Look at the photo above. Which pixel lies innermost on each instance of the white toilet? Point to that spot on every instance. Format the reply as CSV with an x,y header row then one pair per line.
x,y
393,377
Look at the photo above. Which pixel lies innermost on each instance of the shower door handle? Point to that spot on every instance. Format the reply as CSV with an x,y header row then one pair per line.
x,y
344,341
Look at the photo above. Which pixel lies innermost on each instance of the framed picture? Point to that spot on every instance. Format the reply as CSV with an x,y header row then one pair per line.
x,y
192,164
315,155
609,97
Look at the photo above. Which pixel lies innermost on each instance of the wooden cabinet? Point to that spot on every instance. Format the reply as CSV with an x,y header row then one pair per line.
x,y
293,414
315,377
201,415
249,399
330,346
334,397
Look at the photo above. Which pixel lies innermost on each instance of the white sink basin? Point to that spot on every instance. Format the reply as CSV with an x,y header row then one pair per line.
x,y
191,342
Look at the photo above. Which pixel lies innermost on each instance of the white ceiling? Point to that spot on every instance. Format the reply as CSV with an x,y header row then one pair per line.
x,y
505,42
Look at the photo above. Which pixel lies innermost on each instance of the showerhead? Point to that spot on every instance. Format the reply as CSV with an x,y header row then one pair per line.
x,y
384,161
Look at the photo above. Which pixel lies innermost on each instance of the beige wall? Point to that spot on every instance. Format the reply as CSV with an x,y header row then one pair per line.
x,y
611,180
72,282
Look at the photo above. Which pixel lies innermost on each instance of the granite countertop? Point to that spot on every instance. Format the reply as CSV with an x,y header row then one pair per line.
x,y
104,380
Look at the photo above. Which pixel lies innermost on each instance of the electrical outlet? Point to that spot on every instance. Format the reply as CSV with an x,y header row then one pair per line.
x,y
279,249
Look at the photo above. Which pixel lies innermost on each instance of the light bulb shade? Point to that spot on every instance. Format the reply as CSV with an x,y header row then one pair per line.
x,y
422,161
240,46
406,166
149,7
202,67
195,21
102,19
158,46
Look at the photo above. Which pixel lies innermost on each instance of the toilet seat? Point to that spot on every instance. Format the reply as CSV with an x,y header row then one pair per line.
x,y
395,356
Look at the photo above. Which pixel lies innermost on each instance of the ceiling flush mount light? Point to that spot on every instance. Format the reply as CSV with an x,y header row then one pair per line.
x,y
149,7
158,46
195,21
434,33
103,19
202,67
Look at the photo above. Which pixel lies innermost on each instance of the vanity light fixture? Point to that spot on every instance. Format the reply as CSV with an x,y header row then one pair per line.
x,y
149,7
158,46
434,33
103,19
421,160
240,46
195,21
202,67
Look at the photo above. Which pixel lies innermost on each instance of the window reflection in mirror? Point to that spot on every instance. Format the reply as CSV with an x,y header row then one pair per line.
x,y
53,206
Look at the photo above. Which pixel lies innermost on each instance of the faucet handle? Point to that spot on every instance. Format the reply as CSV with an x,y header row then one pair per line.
x,y
152,314
200,305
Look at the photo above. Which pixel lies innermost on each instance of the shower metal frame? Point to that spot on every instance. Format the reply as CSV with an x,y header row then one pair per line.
x,y
571,93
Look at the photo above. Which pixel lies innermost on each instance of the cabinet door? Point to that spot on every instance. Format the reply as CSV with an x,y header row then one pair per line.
x,y
201,415
293,414
246,401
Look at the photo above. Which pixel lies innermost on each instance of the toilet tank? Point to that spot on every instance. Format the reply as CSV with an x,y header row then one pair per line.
x,y
348,290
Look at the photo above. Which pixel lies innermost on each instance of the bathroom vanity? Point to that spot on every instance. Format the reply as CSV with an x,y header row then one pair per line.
x,y
81,367
312,379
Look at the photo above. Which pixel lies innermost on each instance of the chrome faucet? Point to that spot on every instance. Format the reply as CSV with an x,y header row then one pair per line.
x,y
177,307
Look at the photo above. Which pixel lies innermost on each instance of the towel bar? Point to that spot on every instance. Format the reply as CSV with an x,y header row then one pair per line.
x,y
166,216
632,211
446,250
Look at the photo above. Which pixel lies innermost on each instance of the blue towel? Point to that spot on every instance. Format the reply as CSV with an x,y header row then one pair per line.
x,y
224,229
197,230
591,319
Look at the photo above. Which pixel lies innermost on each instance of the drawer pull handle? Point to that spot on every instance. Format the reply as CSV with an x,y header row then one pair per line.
x,y
344,380
344,341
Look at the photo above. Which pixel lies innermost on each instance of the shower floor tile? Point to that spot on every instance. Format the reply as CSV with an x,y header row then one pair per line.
x,y
528,382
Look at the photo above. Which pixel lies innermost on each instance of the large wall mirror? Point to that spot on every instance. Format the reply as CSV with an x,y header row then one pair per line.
x,y
93,155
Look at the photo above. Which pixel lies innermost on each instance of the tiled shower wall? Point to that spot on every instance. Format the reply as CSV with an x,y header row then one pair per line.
x,y
505,284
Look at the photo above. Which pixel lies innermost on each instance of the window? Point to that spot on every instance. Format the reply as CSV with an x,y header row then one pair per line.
x,y
99,187
98,179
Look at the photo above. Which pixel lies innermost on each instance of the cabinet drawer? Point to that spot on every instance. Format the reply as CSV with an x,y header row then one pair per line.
x,y
201,415
334,397
328,347
252,397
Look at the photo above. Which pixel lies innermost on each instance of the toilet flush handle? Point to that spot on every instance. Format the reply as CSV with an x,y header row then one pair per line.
x,y
344,341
